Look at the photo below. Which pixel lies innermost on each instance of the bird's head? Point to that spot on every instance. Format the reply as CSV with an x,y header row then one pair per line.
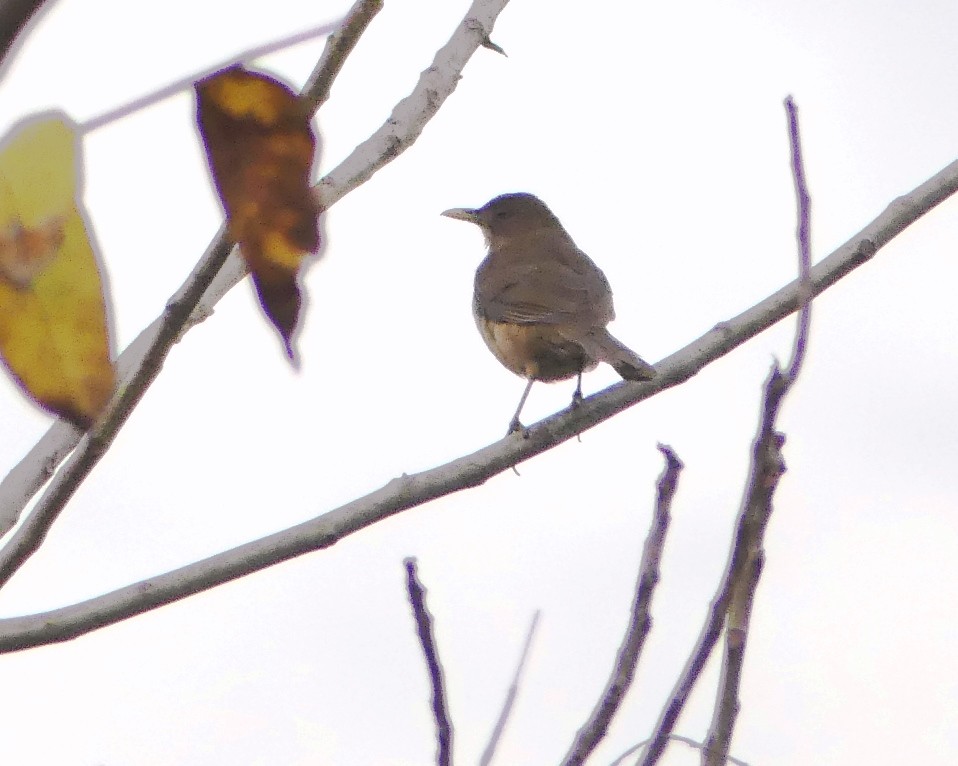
x,y
507,215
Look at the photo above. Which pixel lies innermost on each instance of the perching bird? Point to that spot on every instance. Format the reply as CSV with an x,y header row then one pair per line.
x,y
540,303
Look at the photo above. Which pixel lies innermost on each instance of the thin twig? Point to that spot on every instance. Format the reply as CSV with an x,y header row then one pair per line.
x,y
640,621
746,563
338,47
708,637
413,490
440,709
500,727
213,276
141,360
768,465
184,84
705,643
411,114
675,738
803,236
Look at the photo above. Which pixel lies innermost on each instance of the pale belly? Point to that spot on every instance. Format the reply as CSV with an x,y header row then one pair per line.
x,y
538,352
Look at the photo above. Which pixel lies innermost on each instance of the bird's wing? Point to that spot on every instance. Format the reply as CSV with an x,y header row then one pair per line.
x,y
560,285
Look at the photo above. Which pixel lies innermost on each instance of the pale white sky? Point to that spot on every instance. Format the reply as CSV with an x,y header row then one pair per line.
x,y
657,133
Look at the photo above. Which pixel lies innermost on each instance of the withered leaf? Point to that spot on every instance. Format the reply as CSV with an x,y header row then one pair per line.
x,y
260,148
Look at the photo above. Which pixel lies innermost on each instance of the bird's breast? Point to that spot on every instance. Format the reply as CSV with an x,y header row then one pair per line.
x,y
534,351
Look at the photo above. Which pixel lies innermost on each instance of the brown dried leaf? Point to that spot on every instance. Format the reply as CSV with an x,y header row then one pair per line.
x,y
260,148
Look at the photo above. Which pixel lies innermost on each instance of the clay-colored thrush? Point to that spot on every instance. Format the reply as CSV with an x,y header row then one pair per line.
x,y
540,303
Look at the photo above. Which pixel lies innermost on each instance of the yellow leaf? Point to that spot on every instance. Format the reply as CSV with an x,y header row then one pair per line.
x,y
53,328
260,148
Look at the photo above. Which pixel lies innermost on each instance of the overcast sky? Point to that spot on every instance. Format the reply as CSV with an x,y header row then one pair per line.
x,y
656,132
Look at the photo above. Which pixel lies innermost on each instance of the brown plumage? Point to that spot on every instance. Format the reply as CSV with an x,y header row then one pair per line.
x,y
541,304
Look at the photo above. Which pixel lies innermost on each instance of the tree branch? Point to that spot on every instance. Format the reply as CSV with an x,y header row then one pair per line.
x,y
742,569
215,274
804,240
640,621
338,47
708,637
410,491
747,561
768,465
440,709
732,604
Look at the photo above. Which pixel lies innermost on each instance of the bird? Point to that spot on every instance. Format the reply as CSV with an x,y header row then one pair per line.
x,y
540,303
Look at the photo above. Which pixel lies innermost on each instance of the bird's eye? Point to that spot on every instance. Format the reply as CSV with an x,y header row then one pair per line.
x,y
503,214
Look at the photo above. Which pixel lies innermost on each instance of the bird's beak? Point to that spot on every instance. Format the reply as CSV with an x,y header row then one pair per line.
x,y
462,214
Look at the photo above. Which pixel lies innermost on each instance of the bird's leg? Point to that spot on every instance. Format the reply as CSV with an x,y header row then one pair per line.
x,y
514,424
577,394
577,400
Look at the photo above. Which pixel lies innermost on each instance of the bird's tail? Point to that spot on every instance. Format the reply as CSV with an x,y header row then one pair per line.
x,y
603,347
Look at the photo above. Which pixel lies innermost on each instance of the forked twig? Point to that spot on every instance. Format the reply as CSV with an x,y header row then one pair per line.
x,y
213,276
732,604
640,620
768,465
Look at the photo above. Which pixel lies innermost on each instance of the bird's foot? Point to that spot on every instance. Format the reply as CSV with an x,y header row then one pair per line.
x,y
576,403
577,394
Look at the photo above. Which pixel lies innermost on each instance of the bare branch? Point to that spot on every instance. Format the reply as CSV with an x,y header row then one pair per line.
x,y
28,538
471,470
750,527
215,274
746,563
768,465
708,637
141,361
640,621
411,114
338,47
511,695
440,710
